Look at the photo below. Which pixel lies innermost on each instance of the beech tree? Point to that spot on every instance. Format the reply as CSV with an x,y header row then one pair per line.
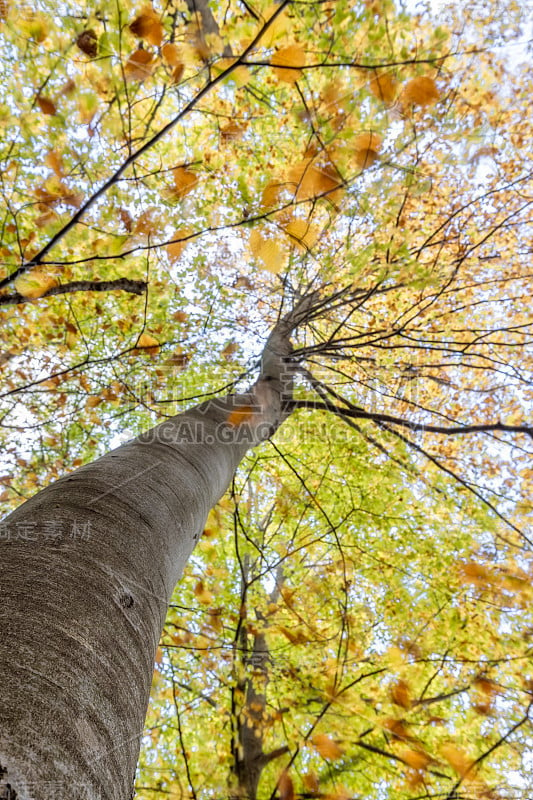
x,y
266,417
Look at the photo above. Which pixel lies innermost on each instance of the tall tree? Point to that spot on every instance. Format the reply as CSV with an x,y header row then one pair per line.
x,y
328,202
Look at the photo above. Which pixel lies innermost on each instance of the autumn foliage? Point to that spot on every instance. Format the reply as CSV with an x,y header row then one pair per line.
x,y
173,177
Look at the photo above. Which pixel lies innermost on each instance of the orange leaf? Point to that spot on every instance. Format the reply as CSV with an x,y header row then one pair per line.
x,y
46,105
271,193
229,350
53,160
313,180
384,87
326,746
397,728
177,73
87,42
457,759
125,218
184,181
240,415
366,147
139,65
147,223
476,574
175,249
487,686
170,53
148,26
420,91
417,759
93,401
285,786
401,694
202,594
231,131
287,61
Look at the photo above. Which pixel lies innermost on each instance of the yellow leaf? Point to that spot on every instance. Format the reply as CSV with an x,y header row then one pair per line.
x,y
87,104
384,87
267,251
148,26
395,657
326,746
458,760
34,284
420,91
32,24
310,781
241,75
139,65
302,234
277,28
148,343
200,43
287,62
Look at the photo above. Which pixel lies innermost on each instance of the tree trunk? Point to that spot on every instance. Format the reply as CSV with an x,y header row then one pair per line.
x,y
88,566
251,715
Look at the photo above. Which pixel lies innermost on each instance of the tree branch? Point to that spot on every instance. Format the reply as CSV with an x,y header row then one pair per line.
x,y
356,413
119,284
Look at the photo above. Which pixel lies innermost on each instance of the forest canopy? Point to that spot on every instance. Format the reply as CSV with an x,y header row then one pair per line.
x,y
356,618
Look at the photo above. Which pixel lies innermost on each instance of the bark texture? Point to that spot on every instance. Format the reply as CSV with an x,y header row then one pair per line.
x,y
88,566
250,717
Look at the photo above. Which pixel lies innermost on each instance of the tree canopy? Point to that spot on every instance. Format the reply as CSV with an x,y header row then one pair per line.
x,y
356,619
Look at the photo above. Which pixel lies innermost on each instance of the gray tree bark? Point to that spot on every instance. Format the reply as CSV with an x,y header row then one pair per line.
x,y
87,568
